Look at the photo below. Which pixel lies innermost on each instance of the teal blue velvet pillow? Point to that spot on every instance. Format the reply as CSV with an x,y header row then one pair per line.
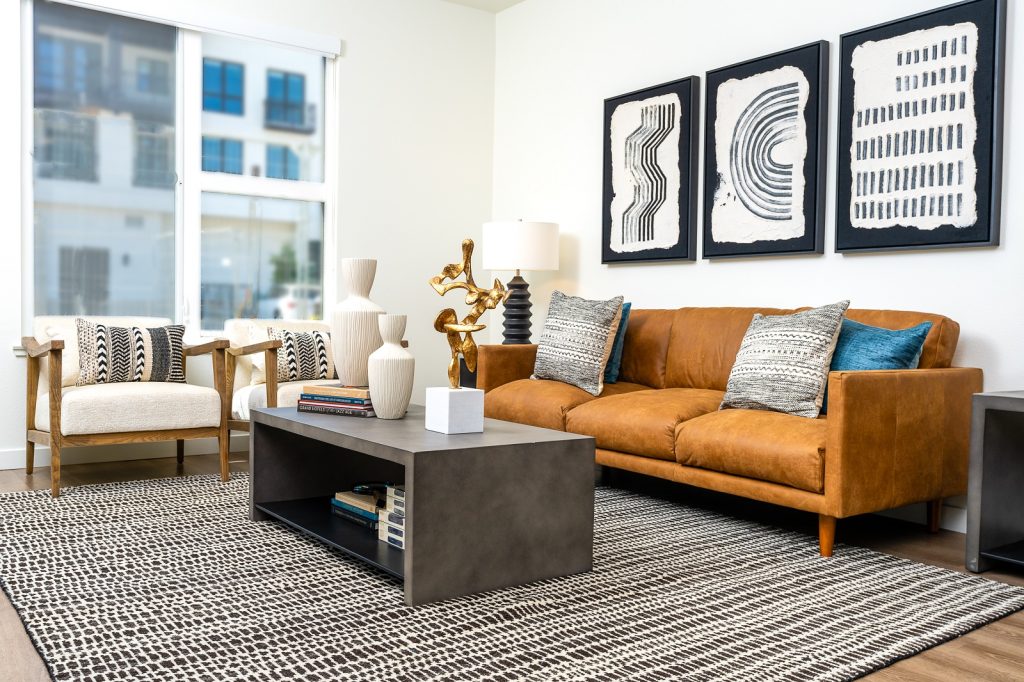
x,y
611,370
861,346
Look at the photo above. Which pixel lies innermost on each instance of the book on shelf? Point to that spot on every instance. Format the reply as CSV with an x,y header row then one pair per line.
x,y
358,511
391,535
367,503
348,515
396,491
395,505
337,390
334,400
336,410
309,402
392,517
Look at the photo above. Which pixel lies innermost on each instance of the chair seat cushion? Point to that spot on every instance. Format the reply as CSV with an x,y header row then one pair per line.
x,y
132,406
542,402
769,446
641,422
255,395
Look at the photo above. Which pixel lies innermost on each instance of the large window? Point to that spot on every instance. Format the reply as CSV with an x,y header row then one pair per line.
x,y
147,199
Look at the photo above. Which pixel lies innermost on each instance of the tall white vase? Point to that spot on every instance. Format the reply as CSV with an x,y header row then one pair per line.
x,y
391,370
354,330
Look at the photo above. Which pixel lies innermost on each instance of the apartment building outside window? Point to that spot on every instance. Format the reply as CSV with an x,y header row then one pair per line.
x,y
222,156
223,86
282,162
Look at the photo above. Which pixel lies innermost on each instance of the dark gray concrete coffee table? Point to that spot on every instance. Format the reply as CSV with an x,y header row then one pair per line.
x,y
486,510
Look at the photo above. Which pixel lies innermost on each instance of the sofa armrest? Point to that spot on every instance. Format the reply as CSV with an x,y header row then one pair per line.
x,y
502,364
191,350
259,347
897,436
34,349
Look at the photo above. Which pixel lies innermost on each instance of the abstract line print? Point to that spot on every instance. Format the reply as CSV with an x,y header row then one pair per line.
x,y
760,147
645,174
914,128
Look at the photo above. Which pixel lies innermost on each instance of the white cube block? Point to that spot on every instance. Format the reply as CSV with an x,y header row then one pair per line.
x,y
455,410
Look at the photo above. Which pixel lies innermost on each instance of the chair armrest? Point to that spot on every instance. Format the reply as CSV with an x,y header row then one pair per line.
x,y
204,348
897,436
270,344
34,349
501,364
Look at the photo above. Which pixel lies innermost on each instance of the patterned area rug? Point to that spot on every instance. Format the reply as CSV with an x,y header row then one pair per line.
x,y
169,580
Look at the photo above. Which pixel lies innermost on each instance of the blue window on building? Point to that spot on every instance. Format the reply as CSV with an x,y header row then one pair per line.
x,y
66,65
221,155
282,162
286,98
223,86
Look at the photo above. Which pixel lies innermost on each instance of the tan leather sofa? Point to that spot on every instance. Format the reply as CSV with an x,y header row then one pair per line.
x,y
890,438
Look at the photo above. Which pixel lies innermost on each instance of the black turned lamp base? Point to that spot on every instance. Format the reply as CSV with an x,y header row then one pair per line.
x,y
517,312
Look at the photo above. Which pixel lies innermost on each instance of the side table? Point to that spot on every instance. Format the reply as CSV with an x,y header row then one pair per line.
x,y
995,503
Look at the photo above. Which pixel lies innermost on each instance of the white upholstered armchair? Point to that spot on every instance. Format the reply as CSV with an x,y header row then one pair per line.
x,y
60,413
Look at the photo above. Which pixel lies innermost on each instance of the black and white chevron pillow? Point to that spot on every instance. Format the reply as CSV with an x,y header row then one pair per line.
x,y
303,356
109,355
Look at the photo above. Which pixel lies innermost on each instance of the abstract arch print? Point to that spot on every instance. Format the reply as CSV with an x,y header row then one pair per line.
x,y
760,147
645,174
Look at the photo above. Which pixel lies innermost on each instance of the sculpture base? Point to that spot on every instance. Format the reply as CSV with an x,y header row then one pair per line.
x,y
455,410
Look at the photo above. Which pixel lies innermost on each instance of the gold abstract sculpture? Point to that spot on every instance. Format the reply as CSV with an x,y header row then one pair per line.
x,y
460,332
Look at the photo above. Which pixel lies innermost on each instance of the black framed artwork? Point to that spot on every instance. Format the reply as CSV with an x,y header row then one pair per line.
x,y
765,152
650,173
920,130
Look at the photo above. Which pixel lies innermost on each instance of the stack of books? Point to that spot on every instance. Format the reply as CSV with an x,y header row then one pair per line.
x,y
360,509
391,519
348,401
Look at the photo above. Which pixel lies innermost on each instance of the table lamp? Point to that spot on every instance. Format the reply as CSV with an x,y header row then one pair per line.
x,y
519,245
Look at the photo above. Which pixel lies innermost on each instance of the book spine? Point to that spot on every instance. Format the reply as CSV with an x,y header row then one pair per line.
x,y
316,397
396,505
396,542
394,518
338,504
396,491
338,392
337,411
362,521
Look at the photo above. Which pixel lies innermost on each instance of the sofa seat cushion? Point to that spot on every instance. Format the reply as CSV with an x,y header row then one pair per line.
x,y
255,395
542,402
769,446
132,406
641,422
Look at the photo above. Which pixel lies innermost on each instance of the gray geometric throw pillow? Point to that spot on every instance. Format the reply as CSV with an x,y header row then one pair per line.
x,y
783,361
577,340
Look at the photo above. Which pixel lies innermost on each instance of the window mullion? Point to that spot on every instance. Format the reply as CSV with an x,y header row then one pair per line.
x,y
189,185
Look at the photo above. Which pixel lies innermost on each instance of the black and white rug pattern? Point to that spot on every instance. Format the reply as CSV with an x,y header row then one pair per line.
x,y
169,580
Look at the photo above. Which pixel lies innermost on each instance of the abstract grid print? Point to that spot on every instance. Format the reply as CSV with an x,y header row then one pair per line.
x,y
118,354
303,356
169,580
645,174
914,129
760,147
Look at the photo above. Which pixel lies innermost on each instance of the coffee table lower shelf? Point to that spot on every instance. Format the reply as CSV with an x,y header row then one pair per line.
x,y
1012,553
313,517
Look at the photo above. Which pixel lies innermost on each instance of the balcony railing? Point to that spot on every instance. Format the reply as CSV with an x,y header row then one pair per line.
x,y
296,118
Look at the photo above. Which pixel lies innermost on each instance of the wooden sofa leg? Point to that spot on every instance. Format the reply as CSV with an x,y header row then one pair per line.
x,y
826,534
224,441
934,515
54,468
181,452
30,457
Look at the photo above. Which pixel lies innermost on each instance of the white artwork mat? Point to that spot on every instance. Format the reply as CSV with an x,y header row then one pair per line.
x,y
760,148
645,174
914,130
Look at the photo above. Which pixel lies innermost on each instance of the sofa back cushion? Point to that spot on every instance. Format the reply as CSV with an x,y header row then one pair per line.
x,y
939,345
704,342
646,347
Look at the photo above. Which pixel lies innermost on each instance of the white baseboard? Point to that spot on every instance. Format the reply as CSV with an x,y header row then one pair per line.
x,y
954,517
14,458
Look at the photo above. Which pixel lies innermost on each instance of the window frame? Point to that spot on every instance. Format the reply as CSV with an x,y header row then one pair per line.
x,y
191,180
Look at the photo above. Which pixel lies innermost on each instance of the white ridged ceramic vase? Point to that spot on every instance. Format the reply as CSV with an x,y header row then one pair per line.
x,y
391,369
354,331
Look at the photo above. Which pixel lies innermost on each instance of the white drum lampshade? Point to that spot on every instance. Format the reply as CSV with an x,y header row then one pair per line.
x,y
519,245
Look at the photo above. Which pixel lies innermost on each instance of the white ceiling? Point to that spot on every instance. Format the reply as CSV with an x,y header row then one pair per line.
x,y
488,5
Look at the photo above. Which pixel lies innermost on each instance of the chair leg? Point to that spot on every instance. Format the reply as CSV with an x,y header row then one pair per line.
x,y
54,467
934,515
826,534
181,452
223,441
30,457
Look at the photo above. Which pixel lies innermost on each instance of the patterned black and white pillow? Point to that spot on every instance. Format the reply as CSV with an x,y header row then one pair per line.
x,y
303,356
783,361
577,340
109,355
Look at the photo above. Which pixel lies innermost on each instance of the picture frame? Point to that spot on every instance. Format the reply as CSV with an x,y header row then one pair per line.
x,y
766,155
650,173
923,169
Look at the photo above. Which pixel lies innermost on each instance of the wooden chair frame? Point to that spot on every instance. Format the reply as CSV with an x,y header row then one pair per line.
x,y
53,350
269,350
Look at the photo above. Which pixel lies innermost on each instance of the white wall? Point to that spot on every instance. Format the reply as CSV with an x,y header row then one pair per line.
x,y
556,60
415,157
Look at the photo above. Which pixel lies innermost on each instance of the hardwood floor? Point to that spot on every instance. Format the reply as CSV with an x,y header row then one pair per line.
x,y
994,652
